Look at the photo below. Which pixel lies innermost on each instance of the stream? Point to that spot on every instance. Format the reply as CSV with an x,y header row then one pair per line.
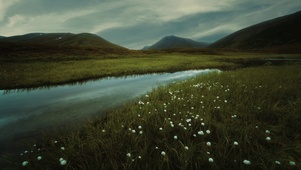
x,y
27,113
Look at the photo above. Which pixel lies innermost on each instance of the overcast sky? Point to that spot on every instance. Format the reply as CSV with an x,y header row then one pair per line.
x,y
136,23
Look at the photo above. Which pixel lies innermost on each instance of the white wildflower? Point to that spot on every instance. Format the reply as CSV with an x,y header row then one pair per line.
x,y
63,162
208,143
292,163
200,132
24,163
210,159
277,162
246,162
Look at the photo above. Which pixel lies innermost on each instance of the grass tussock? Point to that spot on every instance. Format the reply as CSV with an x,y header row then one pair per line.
x,y
243,119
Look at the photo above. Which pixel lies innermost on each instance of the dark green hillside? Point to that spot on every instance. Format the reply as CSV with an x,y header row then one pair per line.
x,y
62,39
171,42
279,34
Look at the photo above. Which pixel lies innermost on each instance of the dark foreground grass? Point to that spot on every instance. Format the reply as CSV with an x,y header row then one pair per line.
x,y
243,119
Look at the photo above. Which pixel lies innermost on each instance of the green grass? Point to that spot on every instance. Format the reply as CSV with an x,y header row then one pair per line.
x,y
244,106
36,71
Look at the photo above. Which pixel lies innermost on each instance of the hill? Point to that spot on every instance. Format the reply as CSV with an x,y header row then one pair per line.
x,y
172,41
62,39
279,34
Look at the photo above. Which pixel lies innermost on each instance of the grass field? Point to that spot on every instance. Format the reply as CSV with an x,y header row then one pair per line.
x,y
36,71
240,119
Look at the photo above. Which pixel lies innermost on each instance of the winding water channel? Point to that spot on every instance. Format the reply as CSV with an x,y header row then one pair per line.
x,y
27,113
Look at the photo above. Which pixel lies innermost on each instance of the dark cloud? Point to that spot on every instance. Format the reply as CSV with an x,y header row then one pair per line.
x,y
136,23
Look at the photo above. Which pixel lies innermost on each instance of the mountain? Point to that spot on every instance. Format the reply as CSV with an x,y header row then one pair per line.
x,y
146,47
172,41
2,36
62,39
281,33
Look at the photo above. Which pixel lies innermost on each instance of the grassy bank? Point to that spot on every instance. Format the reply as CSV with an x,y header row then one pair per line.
x,y
38,73
244,119
22,72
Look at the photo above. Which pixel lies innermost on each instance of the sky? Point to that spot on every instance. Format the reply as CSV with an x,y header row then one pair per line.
x,y
136,23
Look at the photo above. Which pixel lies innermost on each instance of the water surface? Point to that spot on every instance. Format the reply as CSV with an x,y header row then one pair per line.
x,y
24,113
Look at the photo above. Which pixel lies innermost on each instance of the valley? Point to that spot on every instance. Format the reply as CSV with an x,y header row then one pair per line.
x,y
79,101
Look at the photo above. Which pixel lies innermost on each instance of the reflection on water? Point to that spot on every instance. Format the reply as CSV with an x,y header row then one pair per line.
x,y
29,111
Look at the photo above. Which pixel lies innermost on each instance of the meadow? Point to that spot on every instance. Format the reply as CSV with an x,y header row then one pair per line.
x,y
240,119
33,70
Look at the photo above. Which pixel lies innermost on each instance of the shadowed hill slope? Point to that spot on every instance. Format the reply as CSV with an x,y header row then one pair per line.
x,y
170,42
62,39
281,33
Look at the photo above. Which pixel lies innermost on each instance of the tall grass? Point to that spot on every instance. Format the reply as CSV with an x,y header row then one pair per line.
x,y
36,71
39,71
243,119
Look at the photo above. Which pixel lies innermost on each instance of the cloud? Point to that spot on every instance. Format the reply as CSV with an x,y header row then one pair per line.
x,y
135,23
4,6
52,22
245,13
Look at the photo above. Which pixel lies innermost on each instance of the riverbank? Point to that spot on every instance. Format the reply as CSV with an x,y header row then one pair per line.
x,y
37,71
38,110
240,119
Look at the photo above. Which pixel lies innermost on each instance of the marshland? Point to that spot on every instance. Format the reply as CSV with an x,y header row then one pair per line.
x,y
241,117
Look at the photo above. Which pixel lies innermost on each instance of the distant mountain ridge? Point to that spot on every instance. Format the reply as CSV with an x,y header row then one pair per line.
x,y
279,33
62,39
172,41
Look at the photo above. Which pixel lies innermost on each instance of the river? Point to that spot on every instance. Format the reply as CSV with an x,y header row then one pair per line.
x,y
26,113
